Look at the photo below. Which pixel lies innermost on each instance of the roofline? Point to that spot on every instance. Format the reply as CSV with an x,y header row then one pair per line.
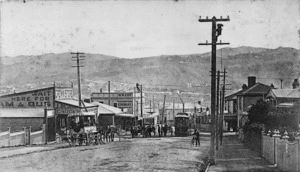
x,y
248,89
24,92
75,105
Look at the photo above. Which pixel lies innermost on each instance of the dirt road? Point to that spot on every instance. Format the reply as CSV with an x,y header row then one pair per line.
x,y
140,154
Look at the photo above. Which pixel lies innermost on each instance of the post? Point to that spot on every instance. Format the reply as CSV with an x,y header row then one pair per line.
x,y
174,111
133,108
46,125
217,113
25,132
213,80
163,112
8,135
109,93
142,105
78,74
223,105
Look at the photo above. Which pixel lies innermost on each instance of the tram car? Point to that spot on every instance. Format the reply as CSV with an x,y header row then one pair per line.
x,y
181,124
82,129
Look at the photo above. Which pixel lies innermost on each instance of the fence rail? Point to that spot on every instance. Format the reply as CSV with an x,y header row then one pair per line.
x,y
25,137
281,152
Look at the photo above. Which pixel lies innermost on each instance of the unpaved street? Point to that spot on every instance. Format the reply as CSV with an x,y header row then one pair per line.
x,y
139,154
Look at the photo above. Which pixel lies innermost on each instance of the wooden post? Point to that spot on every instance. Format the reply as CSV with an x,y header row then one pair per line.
x,y
8,136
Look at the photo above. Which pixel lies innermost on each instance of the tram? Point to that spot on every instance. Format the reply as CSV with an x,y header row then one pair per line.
x,y
181,124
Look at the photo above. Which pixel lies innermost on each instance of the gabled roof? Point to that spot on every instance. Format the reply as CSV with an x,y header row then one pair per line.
x,y
285,93
256,89
106,109
233,95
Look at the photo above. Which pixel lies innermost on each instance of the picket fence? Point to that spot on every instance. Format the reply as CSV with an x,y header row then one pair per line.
x,y
281,152
25,137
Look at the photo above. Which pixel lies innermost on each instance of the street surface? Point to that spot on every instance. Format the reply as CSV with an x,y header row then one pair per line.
x,y
138,154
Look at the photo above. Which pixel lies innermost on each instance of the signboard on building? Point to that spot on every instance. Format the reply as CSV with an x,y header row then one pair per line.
x,y
39,98
65,109
63,93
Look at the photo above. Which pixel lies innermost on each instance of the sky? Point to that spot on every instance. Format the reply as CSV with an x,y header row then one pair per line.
x,y
133,29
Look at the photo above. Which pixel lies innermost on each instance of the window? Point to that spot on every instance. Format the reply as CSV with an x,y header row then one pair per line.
x,y
115,104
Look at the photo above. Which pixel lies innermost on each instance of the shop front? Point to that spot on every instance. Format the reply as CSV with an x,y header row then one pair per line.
x,y
64,109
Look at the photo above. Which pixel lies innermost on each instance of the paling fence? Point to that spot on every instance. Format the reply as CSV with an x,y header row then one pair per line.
x,y
283,153
25,137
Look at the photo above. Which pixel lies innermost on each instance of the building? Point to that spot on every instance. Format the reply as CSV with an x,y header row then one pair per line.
x,y
109,115
248,97
286,101
238,103
128,102
29,109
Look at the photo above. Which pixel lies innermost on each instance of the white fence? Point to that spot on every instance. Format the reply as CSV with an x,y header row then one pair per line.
x,y
25,137
285,154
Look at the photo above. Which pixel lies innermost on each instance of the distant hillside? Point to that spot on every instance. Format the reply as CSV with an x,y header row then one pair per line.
x,y
161,73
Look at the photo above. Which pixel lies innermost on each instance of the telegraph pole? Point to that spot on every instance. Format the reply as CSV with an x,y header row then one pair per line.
x,y
215,34
217,114
142,105
78,58
222,108
109,93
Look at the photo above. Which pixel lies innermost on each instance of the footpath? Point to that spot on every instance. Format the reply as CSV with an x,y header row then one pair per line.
x,y
234,156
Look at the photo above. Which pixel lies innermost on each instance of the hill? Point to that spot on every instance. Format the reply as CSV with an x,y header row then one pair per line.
x,y
157,74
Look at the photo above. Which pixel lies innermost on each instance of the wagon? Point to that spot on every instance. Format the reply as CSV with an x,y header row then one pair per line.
x,y
82,129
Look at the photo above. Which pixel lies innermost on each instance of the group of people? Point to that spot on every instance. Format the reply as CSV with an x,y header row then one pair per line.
x,y
150,130
106,134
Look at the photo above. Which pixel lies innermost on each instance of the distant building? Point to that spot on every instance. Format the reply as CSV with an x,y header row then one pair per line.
x,y
128,102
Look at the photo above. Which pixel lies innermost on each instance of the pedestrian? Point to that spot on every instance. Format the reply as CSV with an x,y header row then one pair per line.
x,y
132,132
171,130
197,134
153,129
159,130
165,130
112,134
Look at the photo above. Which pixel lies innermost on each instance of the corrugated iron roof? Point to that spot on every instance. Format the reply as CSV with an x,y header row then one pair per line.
x,y
257,88
75,103
286,93
106,109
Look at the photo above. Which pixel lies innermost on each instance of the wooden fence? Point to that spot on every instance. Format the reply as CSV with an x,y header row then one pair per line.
x,y
280,152
25,137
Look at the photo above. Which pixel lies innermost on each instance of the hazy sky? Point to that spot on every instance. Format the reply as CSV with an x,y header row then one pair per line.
x,y
133,29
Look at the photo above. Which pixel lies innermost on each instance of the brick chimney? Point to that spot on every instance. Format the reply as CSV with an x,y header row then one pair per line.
x,y
251,81
295,84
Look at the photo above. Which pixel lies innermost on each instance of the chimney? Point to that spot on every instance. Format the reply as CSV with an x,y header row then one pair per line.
x,y
244,86
272,86
251,81
295,84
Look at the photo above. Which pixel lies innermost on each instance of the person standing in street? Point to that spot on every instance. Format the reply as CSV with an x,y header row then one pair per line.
x,y
197,134
159,130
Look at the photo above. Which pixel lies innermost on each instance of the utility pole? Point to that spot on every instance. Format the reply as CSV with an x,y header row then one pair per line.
x,y
163,112
78,58
222,108
109,93
215,33
142,105
133,108
217,114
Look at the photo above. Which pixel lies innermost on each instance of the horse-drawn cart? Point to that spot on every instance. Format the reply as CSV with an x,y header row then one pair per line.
x,y
82,129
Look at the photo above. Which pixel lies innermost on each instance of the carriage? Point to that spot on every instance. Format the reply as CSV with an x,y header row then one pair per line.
x,y
82,129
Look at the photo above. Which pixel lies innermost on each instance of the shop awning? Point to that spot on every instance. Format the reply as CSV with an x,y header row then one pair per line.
x,y
83,114
106,109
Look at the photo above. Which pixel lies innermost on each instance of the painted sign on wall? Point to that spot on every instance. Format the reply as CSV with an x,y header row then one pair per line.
x,y
63,93
30,99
